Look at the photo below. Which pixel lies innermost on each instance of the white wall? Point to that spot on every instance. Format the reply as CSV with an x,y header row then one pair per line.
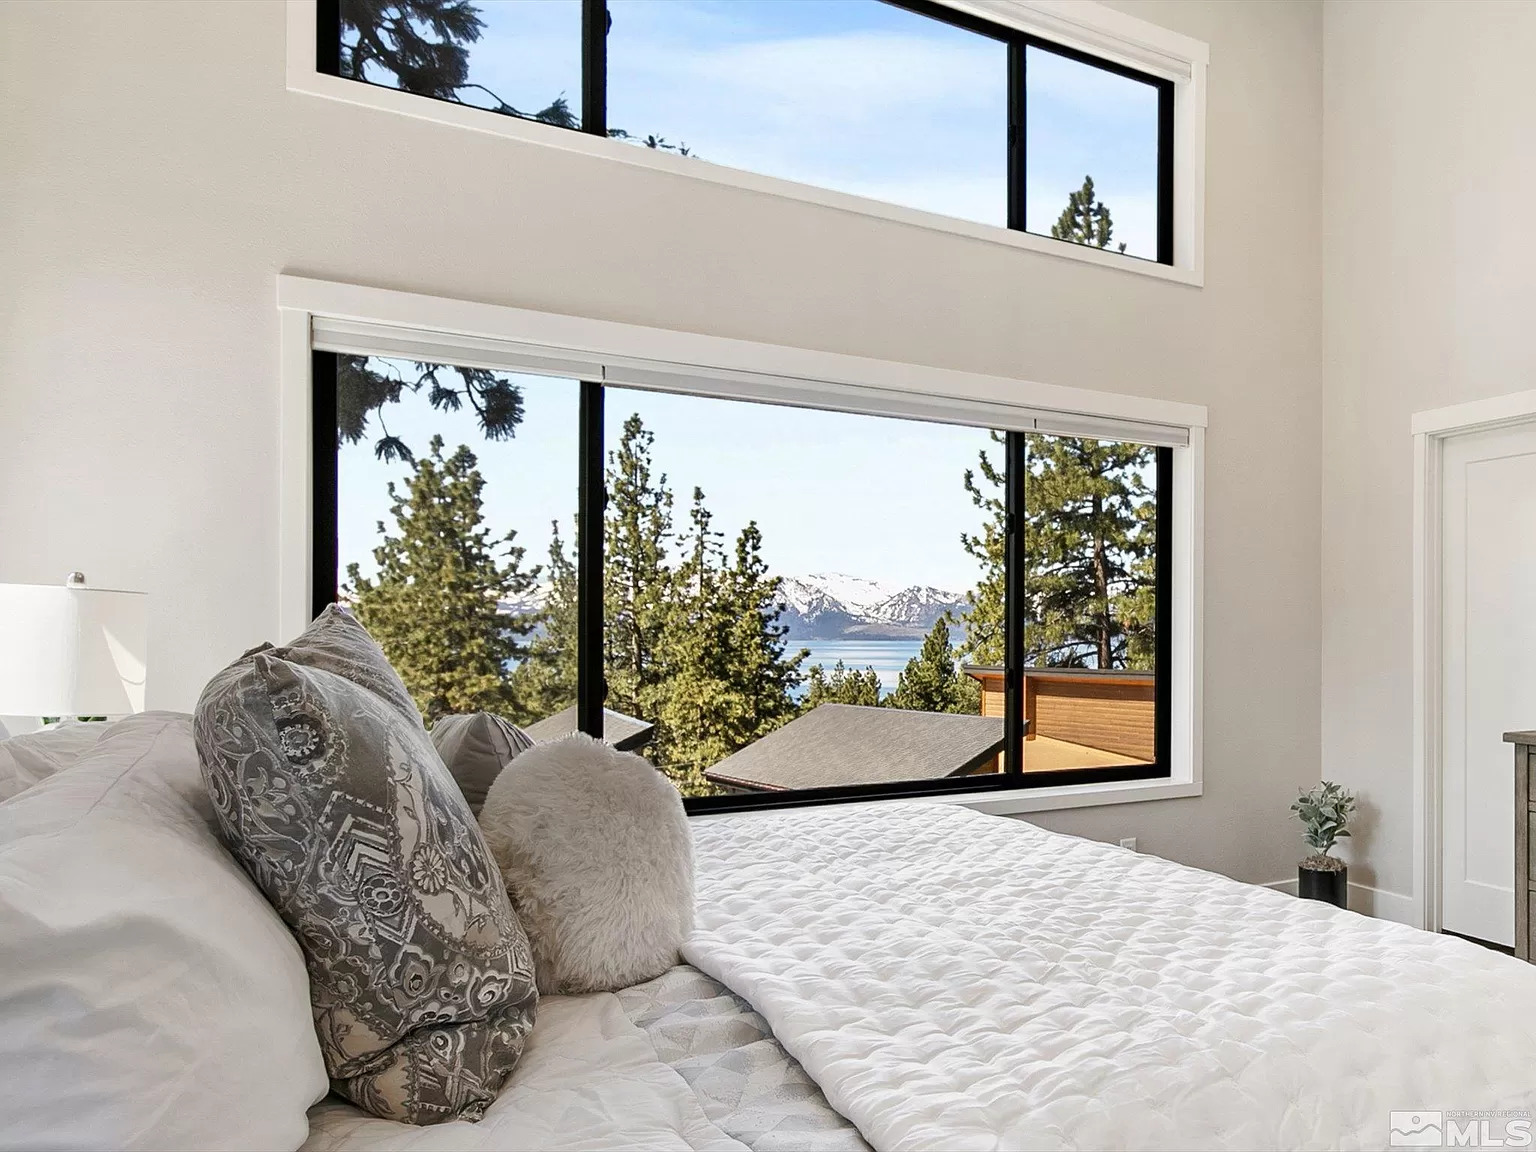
x,y
156,175
1428,234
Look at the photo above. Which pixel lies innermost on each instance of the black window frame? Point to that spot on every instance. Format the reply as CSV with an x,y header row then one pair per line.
x,y
596,21
591,690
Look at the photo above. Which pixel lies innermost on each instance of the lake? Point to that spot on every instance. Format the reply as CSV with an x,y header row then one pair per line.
x,y
887,657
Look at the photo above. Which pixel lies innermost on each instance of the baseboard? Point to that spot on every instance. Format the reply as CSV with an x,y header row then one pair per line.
x,y
1367,901
1384,905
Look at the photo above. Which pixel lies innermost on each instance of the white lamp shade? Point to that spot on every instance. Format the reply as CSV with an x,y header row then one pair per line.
x,y
71,651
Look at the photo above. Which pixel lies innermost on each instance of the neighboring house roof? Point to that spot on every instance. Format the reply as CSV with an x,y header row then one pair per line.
x,y
839,744
624,732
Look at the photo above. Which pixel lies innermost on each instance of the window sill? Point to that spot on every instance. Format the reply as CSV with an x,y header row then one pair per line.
x,y
1018,801
302,77
1075,796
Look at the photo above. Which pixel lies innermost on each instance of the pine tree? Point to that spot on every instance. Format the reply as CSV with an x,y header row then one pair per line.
x,y
365,384
433,604
1088,549
842,685
764,674
985,618
1136,603
1085,220
424,45
545,683
1088,556
931,682
637,582
699,707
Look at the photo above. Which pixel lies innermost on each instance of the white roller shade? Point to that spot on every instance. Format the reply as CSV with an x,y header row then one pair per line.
x,y
369,339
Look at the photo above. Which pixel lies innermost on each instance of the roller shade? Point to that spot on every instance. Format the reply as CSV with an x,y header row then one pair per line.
x,y
366,339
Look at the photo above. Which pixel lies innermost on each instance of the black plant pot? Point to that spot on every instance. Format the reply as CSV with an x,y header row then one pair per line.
x,y
1318,884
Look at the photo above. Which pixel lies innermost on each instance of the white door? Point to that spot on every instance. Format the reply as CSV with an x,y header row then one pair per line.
x,y
1488,525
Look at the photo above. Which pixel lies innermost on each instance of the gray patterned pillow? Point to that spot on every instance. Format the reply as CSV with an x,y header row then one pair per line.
x,y
333,798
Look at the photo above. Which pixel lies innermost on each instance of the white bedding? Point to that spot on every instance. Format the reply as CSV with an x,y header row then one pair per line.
x,y
589,1080
955,980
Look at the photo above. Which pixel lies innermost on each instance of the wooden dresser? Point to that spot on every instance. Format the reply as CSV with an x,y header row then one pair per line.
x,y
1525,840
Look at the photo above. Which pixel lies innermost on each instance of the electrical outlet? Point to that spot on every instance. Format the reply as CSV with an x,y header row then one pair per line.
x,y
1128,842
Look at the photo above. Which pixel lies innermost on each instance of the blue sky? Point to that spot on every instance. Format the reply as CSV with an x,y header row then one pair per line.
x,y
873,497
849,94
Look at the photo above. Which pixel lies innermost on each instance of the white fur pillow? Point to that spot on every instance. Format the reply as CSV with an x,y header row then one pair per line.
x,y
596,853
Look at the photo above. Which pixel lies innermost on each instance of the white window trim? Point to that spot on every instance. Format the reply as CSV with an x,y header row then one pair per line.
x,y
384,319
1079,24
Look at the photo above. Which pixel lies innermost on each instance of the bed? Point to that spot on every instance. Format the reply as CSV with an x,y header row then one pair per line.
x,y
887,976
923,976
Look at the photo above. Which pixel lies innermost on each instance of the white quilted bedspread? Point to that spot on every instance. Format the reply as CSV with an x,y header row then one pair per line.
x,y
959,981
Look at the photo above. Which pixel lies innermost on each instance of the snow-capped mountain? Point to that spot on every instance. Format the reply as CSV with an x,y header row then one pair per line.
x,y
829,606
918,606
533,600
833,605
851,594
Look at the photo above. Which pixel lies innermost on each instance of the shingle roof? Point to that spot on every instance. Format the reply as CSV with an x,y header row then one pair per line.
x,y
624,732
839,744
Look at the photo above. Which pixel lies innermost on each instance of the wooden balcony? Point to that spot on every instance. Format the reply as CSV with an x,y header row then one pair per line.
x,y
1078,717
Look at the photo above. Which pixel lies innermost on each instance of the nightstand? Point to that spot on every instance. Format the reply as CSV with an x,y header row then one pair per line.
x,y
1525,839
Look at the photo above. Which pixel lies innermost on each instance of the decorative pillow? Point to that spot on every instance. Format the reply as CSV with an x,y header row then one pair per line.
x,y
149,995
34,756
476,747
336,642
596,853
337,804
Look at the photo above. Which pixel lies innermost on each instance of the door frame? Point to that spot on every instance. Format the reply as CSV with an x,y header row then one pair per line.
x,y
1431,430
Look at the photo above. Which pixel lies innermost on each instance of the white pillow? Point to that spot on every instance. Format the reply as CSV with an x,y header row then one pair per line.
x,y
150,997
34,756
597,856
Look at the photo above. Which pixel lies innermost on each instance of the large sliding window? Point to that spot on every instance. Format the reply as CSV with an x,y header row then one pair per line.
x,y
774,603
911,102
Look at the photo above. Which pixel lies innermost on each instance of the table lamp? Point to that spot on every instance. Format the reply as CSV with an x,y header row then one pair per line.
x,y
69,650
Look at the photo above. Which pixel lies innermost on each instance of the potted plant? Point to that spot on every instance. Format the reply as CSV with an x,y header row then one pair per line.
x,y
1324,812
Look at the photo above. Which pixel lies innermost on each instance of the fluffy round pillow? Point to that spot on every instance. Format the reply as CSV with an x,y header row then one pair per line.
x,y
595,850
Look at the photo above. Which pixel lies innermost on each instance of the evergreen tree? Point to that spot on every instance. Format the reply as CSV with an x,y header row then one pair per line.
x,y
1088,549
984,621
637,582
1088,556
433,605
545,683
424,45
698,707
765,675
365,384
1136,603
931,681
842,685
1085,220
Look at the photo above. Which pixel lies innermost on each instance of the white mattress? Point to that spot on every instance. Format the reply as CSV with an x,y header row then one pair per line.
x,y
955,980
